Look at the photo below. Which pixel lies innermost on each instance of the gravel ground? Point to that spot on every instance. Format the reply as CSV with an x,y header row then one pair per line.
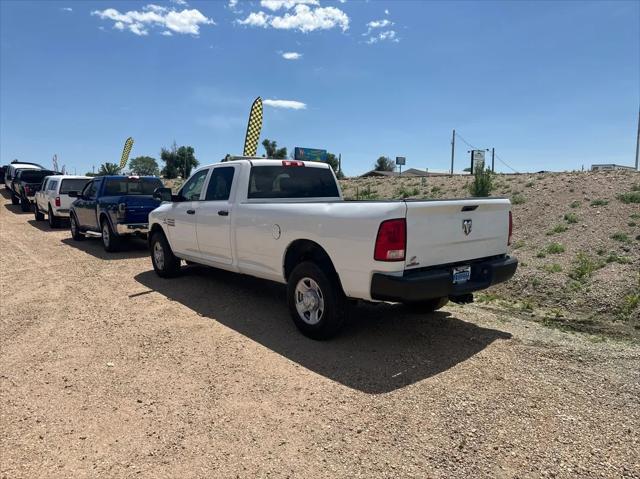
x,y
109,371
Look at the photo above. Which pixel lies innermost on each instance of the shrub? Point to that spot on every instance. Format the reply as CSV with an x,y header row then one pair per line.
x,y
631,197
557,229
622,237
541,254
632,223
616,258
575,204
571,218
482,183
555,248
599,202
367,194
583,267
518,199
518,244
552,268
635,216
529,184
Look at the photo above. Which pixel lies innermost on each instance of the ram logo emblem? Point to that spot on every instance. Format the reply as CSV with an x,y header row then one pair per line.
x,y
466,226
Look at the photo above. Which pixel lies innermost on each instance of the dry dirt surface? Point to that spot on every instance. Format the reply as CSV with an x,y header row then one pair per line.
x,y
108,371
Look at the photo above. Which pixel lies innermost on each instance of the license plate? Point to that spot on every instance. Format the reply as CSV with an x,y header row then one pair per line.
x,y
461,274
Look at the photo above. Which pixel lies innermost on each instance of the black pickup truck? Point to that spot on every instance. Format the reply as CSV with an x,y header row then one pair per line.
x,y
26,183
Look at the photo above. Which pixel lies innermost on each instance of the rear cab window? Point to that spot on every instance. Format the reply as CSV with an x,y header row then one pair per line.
x,y
275,181
131,186
69,184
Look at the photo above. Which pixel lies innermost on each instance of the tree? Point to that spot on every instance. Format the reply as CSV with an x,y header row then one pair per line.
x,y
332,160
178,161
109,169
384,164
482,184
144,166
272,150
90,173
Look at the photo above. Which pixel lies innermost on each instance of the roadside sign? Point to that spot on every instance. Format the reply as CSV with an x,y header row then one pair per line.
x,y
401,160
477,160
309,154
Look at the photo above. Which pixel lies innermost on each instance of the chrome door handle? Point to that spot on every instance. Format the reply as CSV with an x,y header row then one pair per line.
x,y
191,212
223,213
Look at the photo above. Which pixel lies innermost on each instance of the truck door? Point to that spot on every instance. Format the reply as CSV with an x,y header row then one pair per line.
x,y
86,206
214,217
181,219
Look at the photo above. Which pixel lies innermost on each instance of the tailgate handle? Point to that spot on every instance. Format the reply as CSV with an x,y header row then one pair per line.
x,y
469,207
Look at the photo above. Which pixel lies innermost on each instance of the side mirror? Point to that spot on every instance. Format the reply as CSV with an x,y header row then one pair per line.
x,y
73,194
162,194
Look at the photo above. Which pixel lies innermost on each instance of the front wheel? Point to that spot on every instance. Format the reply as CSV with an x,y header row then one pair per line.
x,y
75,228
428,306
316,303
165,263
110,240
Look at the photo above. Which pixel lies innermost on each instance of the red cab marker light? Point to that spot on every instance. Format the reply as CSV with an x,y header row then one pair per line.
x,y
292,163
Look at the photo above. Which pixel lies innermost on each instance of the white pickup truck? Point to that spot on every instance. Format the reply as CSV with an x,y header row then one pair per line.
x,y
53,199
286,221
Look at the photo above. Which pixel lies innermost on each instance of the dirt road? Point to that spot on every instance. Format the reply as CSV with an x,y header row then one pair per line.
x,y
108,371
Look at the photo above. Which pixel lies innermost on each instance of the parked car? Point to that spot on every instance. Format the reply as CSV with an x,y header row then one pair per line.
x,y
3,170
113,207
53,198
10,175
25,184
286,221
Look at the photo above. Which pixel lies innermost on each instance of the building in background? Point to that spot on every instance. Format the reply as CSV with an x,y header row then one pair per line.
x,y
610,166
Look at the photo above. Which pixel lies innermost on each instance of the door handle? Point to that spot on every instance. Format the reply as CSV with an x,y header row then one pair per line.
x,y
223,213
191,212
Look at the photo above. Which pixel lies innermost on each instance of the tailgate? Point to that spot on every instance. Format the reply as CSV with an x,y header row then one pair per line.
x,y
451,231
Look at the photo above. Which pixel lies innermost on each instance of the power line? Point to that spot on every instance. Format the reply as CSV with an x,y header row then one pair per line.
x,y
506,164
466,142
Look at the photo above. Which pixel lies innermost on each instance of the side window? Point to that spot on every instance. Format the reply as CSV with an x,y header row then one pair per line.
x,y
220,183
45,185
90,190
51,186
193,187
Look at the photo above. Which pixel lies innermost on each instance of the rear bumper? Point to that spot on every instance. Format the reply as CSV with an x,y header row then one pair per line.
x,y
437,282
127,229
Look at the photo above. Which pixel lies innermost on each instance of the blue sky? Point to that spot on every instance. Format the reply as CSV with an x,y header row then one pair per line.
x,y
550,85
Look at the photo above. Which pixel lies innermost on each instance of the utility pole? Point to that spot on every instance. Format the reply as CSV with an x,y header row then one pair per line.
x,y
453,149
638,142
339,162
493,160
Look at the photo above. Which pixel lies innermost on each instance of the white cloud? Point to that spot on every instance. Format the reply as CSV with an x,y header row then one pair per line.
x,y
288,104
388,35
299,16
171,20
379,23
386,11
67,9
179,2
274,5
167,33
232,5
292,55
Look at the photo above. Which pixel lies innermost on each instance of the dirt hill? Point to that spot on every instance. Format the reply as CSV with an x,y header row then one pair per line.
x,y
577,236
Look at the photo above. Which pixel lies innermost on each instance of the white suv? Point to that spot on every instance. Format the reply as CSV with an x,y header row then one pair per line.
x,y
53,200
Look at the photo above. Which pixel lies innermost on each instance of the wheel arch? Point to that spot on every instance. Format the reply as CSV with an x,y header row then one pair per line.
x,y
302,250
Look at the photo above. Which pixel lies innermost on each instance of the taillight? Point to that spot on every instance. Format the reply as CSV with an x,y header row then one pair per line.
x,y
57,202
391,240
510,228
292,163
122,211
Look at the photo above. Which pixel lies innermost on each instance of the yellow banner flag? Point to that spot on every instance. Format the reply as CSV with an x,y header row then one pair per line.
x,y
125,152
254,127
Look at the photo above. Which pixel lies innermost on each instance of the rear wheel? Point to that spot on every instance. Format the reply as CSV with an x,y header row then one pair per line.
x,y
25,205
165,263
75,228
428,306
36,212
316,302
110,240
54,221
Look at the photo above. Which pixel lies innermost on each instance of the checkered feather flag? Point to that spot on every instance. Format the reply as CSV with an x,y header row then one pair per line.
x,y
253,129
125,152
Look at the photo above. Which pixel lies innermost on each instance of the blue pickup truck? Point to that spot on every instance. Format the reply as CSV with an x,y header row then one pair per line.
x,y
113,207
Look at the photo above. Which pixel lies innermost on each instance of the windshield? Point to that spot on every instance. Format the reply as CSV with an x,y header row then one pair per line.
x,y
131,186
34,176
291,182
72,184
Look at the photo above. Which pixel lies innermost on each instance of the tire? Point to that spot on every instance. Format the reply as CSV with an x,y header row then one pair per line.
x,y
321,313
75,228
165,263
110,240
36,212
25,206
428,306
14,199
54,221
